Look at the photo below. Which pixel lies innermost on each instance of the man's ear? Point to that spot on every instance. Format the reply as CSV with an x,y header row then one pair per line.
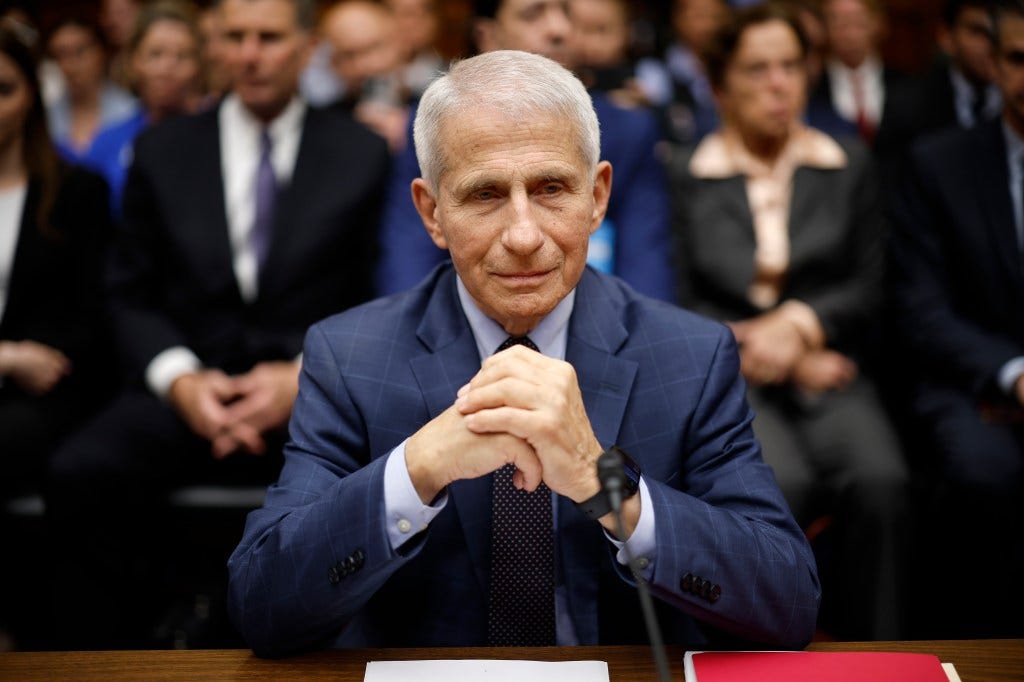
x,y
602,191
426,205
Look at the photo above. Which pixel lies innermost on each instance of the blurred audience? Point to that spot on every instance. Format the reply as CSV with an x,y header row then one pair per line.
x,y
858,86
633,240
165,73
89,101
600,45
417,23
242,226
959,89
366,57
959,290
215,72
117,19
685,93
779,234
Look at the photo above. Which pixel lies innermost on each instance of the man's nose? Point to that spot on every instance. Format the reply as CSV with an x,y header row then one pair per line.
x,y
556,24
522,234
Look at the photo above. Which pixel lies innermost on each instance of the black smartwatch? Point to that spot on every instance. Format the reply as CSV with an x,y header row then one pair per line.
x,y
599,505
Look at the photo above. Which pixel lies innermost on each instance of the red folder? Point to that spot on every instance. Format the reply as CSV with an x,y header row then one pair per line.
x,y
814,666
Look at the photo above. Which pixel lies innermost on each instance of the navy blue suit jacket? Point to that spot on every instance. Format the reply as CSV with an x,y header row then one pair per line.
x,y
638,209
315,567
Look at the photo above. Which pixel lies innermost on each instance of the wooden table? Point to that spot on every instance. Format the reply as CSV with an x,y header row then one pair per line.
x,y
975,660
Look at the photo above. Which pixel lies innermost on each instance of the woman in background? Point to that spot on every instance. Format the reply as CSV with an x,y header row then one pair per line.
x,y
165,69
89,101
779,231
54,225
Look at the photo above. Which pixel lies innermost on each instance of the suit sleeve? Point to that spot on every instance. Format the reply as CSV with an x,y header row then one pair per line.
x,y
725,522
640,211
317,550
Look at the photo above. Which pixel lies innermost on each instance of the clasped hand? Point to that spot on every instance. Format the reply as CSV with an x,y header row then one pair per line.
x,y
521,408
234,412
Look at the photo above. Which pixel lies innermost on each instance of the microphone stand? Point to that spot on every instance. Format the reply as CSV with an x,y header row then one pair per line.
x,y
609,471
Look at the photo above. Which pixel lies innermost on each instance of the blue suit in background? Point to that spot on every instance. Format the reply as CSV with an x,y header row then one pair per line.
x,y
315,567
638,213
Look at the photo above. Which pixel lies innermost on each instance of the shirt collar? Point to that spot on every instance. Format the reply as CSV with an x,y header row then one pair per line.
x,y
288,122
549,335
722,155
1014,144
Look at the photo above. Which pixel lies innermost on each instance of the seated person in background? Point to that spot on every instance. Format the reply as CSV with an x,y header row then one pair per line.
x,y
417,23
437,492
779,231
54,229
89,101
365,57
632,243
243,225
165,70
959,89
600,45
679,83
959,291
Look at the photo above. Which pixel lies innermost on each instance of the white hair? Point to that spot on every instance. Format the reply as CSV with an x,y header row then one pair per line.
x,y
518,84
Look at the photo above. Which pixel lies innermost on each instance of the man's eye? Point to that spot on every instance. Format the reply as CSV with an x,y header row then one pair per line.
x,y
485,195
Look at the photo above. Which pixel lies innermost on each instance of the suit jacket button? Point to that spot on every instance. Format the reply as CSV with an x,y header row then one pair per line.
x,y
359,556
698,585
333,576
686,583
715,593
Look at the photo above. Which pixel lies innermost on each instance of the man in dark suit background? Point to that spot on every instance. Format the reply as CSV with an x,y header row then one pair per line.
x,y
243,226
634,241
387,527
959,287
959,89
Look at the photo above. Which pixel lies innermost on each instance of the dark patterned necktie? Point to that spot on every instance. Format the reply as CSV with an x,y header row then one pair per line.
x,y
266,198
521,610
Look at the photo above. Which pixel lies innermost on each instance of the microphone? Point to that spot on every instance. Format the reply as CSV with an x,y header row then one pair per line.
x,y
612,478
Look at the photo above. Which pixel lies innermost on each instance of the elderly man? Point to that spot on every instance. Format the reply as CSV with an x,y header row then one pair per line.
x,y
633,242
439,492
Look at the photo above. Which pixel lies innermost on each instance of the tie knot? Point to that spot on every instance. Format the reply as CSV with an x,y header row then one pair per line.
x,y
517,341
266,143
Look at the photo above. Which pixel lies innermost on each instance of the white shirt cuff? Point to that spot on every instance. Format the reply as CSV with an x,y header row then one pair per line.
x,y
167,366
404,511
642,542
1009,374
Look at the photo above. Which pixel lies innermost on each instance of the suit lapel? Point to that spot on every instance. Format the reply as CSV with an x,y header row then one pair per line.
x,y
207,231
596,334
452,361
992,178
28,250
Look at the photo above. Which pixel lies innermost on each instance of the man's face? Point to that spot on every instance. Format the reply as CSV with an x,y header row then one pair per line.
x,y
969,43
362,40
265,50
515,209
538,26
765,83
1010,69
601,32
853,30
695,21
